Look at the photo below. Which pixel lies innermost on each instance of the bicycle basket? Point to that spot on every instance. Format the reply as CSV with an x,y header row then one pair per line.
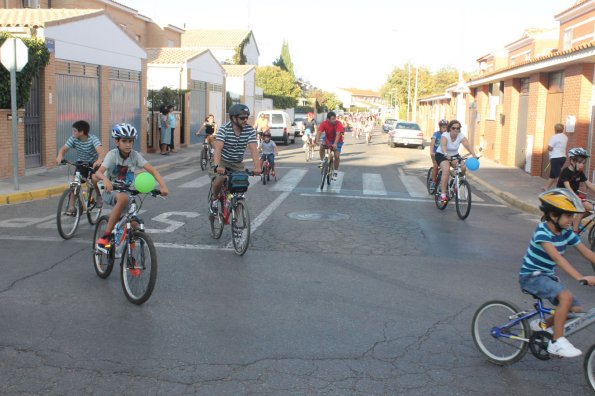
x,y
238,182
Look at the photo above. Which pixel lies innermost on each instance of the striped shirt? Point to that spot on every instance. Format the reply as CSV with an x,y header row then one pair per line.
x,y
86,150
536,259
234,146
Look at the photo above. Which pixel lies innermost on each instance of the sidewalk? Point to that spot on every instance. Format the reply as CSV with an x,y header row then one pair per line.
x,y
513,185
44,183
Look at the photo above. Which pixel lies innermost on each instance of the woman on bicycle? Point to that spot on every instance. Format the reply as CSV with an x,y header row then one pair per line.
x,y
210,127
268,150
260,126
310,127
447,154
435,143
538,274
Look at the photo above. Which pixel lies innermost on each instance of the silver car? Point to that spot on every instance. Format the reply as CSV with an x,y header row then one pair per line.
x,y
407,134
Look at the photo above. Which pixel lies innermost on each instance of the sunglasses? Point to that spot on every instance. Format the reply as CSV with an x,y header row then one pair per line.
x,y
455,128
243,118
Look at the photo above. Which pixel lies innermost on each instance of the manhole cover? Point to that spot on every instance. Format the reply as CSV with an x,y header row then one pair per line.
x,y
309,215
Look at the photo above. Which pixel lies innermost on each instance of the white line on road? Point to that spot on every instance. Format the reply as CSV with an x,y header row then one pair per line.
x,y
198,183
373,184
397,199
335,186
414,186
290,180
179,174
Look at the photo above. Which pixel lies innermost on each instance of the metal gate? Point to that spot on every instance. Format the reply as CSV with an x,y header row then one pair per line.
x,y
33,126
125,100
198,109
77,98
520,156
216,103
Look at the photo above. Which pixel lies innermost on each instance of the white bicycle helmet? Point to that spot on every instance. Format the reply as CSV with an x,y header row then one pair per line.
x,y
124,130
578,152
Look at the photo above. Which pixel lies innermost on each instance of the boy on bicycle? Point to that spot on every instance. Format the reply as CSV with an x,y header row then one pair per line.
x,y
88,150
268,150
571,178
120,164
538,274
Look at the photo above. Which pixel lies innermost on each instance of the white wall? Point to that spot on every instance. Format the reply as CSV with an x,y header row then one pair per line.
x,y
98,41
206,68
235,85
222,55
159,76
251,51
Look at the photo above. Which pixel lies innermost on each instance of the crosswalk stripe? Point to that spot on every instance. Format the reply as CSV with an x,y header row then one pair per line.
x,y
197,183
290,180
414,186
179,174
335,186
373,184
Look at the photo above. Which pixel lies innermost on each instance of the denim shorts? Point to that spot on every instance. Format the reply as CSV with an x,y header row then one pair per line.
x,y
110,197
544,286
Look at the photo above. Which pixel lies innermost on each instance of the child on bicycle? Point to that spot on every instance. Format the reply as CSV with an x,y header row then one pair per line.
x,y
88,150
120,164
210,128
268,150
571,178
538,274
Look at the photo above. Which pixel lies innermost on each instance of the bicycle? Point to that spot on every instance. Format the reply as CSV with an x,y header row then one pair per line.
x,y
265,175
458,188
327,167
502,333
232,209
130,244
430,185
309,148
206,156
77,199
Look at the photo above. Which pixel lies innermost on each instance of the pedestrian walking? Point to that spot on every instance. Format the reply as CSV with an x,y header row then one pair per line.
x,y
557,152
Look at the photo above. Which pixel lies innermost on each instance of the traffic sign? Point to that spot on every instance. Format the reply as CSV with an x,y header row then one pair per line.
x,y
12,59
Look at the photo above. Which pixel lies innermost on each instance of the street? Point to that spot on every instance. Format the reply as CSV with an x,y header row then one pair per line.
x,y
365,288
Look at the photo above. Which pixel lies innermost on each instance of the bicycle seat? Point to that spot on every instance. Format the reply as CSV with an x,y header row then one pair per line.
x,y
532,295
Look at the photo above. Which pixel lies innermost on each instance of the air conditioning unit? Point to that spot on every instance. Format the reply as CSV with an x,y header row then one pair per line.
x,y
30,3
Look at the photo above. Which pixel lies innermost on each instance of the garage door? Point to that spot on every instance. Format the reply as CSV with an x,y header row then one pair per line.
x,y
77,98
198,108
125,98
216,102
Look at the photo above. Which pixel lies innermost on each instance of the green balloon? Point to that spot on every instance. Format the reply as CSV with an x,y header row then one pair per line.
x,y
144,182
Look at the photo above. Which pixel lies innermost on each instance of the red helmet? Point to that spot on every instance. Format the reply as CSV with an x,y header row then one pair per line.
x,y
443,122
310,114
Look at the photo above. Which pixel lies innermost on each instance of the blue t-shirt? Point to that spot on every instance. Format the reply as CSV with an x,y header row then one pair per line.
x,y
437,135
536,259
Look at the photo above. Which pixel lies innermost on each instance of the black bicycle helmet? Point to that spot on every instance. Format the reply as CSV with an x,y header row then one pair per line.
x,y
238,110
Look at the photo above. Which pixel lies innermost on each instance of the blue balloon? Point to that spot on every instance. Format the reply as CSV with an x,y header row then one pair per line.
x,y
472,164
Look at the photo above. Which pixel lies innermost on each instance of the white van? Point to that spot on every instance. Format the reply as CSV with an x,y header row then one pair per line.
x,y
281,127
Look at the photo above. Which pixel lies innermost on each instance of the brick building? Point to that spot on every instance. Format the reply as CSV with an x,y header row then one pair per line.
x,y
524,89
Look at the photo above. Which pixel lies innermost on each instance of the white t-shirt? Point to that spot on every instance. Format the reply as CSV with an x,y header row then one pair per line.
x,y
558,144
452,147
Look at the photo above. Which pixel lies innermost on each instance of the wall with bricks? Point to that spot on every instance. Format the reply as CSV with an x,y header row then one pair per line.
x,y
6,161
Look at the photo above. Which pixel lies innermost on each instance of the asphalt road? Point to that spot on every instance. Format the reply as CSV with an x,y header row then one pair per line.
x,y
365,289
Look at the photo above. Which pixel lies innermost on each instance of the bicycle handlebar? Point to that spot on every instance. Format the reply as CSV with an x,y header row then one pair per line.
x,y
121,187
79,163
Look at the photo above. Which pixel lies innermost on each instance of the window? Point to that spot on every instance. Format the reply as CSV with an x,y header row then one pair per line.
x,y
556,82
277,119
524,86
567,39
170,43
138,38
493,100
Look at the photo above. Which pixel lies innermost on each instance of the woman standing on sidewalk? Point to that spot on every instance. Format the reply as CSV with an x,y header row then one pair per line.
x,y
557,152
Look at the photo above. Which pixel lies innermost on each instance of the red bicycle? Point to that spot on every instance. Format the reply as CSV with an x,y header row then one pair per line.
x,y
267,171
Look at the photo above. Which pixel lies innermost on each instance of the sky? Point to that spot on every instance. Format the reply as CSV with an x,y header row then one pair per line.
x,y
357,43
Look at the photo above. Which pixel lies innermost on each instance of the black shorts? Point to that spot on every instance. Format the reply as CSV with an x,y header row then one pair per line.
x,y
556,165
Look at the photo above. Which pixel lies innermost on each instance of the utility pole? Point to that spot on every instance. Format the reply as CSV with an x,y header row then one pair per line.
x,y
415,96
408,89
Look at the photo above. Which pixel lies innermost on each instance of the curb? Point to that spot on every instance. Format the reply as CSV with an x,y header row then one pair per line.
x,y
506,196
48,192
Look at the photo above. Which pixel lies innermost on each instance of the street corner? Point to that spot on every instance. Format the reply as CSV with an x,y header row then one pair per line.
x,y
17,197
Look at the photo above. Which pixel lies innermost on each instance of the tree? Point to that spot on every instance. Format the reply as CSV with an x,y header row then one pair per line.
x,y
279,85
325,101
284,61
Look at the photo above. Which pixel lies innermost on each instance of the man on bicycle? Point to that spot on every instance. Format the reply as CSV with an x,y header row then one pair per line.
x,y
309,128
333,130
231,141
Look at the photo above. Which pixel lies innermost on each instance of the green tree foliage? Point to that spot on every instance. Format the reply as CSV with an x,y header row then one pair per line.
x,y
164,97
428,84
325,101
39,56
239,58
284,61
279,85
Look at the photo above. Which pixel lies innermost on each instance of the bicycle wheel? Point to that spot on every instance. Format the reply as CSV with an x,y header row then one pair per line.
x,y
589,365
324,172
439,204
307,151
499,349
103,262
139,268
240,227
329,174
263,176
203,159
69,214
217,221
463,199
429,182
591,235
93,212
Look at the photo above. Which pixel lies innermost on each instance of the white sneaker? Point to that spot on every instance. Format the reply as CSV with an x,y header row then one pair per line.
x,y
534,325
562,347
335,176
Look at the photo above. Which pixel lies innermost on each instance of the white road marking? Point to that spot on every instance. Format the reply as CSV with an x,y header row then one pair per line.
x,y
22,222
179,174
397,199
373,184
198,183
335,186
290,180
173,224
414,186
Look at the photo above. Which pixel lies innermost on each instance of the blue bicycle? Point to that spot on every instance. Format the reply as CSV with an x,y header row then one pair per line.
x,y
502,333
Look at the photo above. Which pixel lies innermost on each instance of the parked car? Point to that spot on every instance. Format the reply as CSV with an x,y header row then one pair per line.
x,y
299,124
406,133
281,127
388,124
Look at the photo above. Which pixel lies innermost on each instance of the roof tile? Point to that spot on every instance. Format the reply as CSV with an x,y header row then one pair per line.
x,y
41,17
172,55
